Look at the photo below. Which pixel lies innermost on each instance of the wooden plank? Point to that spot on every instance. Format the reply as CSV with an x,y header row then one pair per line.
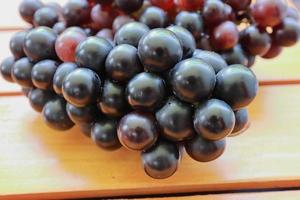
x,y
286,195
37,162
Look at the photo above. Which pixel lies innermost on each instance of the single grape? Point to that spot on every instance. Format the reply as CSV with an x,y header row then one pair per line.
x,y
225,36
154,17
81,87
55,115
175,120
45,16
137,131
241,122
131,33
62,71
81,115
27,8
255,41
287,34
104,134
21,72
186,38
6,68
38,98
203,150
236,85
214,13
192,80
214,120
16,44
113,102
145,91
129,5
67,42
92,53
76,12
159,50
42,74
123,63
192,21
268,12
102,18
211,58
161,161
273,52
39,44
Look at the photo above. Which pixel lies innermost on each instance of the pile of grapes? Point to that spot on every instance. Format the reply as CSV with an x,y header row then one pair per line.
x,y
153,76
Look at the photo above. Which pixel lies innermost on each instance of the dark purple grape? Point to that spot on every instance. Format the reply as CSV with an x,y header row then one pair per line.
x,y
113,102
287,34
193,80
159,50
225,36
241,122
175,120
204,43
76,12
38,98
145,91
27,8
45,16
59,27
186,38
81,115
55,115
92,53
161,161
236,85
104,134
255,41
42,74
214,120
21,72
214,13
106,34
211,58
154,17
39,44
191,21
62,71
123,63
6,68
137,131
81,87
131,33
273,52
235,56
268,12
129,5
16,44
203,150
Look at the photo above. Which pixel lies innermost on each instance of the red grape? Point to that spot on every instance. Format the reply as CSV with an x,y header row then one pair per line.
x,y
225,36
190,5
273,52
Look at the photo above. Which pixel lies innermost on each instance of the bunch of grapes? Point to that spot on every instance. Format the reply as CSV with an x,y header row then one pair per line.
x,y
153,76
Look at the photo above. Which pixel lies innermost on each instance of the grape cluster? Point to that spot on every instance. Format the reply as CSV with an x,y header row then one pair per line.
x,y
152,76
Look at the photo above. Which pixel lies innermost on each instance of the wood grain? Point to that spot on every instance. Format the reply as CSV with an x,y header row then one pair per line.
x,y
37,162
285,195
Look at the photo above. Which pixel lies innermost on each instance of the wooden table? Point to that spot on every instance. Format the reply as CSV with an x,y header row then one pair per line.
x,y
264,163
